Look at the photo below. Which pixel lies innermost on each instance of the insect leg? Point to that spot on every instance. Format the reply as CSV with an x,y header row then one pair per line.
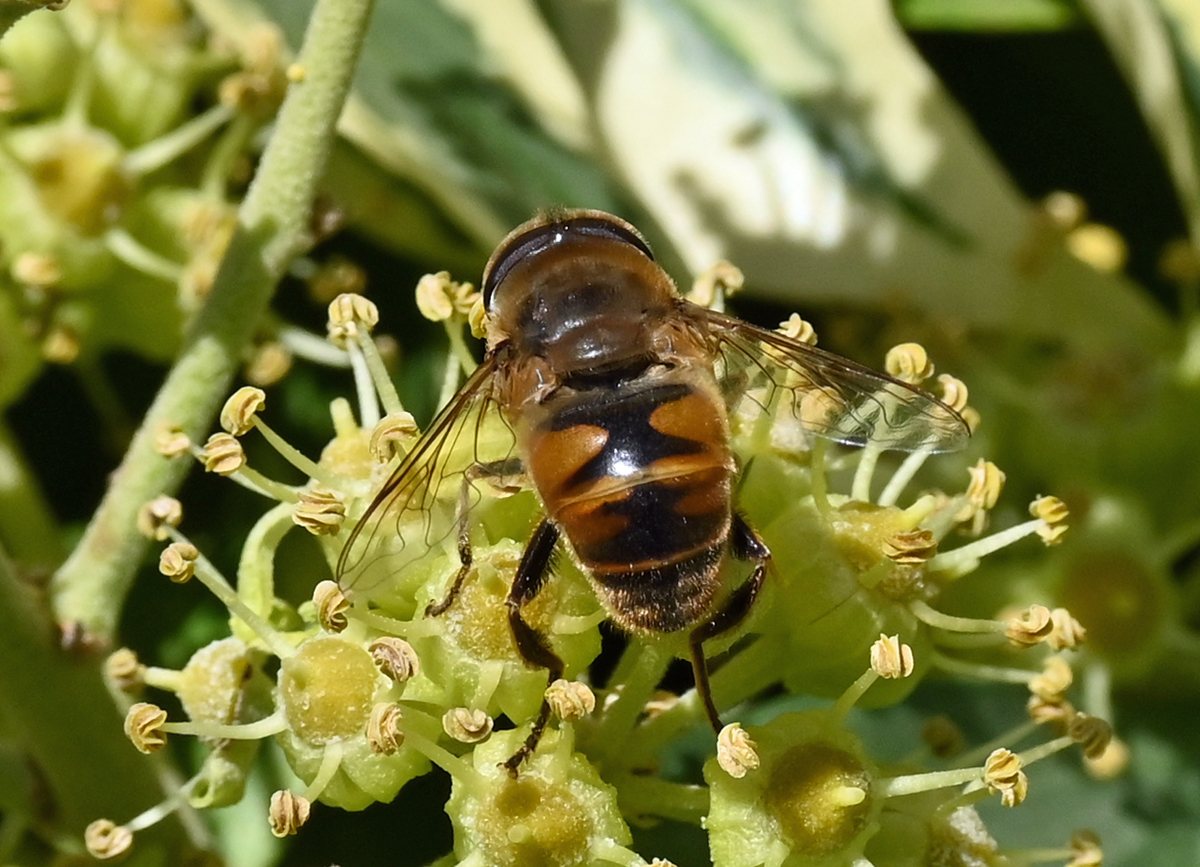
x,y
493,470
746,545
531,644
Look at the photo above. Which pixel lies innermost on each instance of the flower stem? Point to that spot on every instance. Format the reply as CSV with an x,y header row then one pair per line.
x,y
272,229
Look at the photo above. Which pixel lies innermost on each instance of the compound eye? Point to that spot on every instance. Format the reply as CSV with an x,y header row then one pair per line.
x,y
543,233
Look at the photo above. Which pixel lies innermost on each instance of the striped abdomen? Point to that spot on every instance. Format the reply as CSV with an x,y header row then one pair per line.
x,y
638,476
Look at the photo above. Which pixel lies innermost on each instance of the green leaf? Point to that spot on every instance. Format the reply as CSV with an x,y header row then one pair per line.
x,y
1007,16
811,145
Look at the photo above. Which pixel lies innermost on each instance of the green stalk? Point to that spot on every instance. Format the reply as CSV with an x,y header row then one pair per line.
x,y
91,586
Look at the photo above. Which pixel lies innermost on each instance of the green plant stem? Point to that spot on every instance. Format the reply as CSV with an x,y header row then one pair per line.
x,y
91,586
28,528
53,703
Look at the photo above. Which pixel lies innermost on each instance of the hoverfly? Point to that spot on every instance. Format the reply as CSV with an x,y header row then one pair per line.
x,y
611,396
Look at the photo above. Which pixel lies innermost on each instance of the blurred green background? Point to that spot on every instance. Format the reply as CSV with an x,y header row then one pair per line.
x,y
894,172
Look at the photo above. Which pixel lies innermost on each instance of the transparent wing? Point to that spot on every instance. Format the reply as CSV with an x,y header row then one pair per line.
x,y
413,517
789,389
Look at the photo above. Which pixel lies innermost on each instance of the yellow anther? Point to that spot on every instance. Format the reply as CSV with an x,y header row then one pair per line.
x,y
1085,850
911,547
720,280
909,362
1054,681
1030,627
798,329
156,518
1057,713
1002,773
287,813
178,561
223,454
337,276
106,839
331,605
124,671
570,699
171,441
890,658
320,511
269,363
439,297
1066,632
383,729
1100,246
396,658
237,415
143,726
350,314
1091,733
36,269
737,754
1054,512
953,392
466,725
392,436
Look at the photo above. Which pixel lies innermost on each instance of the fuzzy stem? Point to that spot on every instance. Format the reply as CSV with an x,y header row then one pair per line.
x,y
272,229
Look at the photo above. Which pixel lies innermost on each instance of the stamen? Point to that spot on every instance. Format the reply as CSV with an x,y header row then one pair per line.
x,y
331,604
216,583
383,729
368,406
294,457
311,347
860,489
224,455
251,731
979,671
903,475
139,257
396,658
716,283
331,760
440,756
382,380
467,726
570,700
166,148
964,559
287,813
938,620
909,362
320,511
737,754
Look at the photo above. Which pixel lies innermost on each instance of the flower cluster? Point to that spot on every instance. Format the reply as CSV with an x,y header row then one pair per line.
x,y
377,682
